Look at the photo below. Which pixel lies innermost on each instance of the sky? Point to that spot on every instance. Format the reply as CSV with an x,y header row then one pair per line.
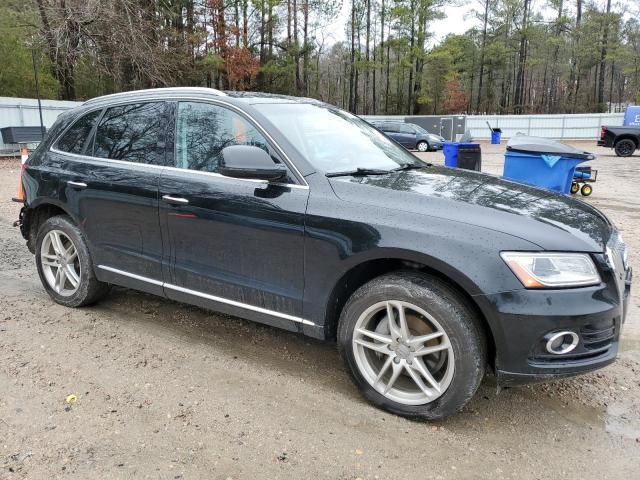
x,y
453,23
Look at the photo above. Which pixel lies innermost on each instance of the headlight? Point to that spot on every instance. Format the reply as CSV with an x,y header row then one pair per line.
x,y
552,270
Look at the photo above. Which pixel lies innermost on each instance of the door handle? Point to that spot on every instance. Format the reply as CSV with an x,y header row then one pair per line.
x,y
175,200
77,185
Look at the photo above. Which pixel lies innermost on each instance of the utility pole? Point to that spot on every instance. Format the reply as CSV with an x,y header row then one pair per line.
x,y
35,75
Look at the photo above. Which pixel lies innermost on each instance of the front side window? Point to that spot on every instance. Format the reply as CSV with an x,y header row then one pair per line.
x,y
132,133
74,139
407,129
203,130
333,140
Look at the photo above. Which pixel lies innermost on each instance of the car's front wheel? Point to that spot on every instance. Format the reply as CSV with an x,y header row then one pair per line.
x,y
412,345
64,264
422,146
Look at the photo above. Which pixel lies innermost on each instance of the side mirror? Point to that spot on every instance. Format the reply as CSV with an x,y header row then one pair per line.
x,y
244,161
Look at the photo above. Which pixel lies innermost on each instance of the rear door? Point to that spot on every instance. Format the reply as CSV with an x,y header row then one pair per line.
x,y
232,244
112,188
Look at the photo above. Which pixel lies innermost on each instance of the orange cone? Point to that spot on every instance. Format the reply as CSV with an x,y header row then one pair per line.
x,y
24,154
20,196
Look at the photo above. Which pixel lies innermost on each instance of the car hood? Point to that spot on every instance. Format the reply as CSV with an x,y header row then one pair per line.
x,y
550,220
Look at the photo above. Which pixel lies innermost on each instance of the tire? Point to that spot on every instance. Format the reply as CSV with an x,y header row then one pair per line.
x,y
625,147
422,146
575,187
78,286
458,373
586,190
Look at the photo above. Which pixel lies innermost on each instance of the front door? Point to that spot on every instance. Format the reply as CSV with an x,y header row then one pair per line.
x,y
235,245
407,136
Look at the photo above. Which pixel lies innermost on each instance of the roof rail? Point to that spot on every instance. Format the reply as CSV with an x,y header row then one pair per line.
x,y
168,90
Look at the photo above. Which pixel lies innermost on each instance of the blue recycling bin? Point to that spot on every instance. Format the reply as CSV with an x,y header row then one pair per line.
x,y
451,149
496,134
542,162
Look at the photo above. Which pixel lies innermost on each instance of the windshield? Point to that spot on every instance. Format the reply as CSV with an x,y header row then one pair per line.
x,y
333,140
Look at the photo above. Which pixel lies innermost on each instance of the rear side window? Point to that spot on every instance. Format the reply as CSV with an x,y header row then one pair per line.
x,y
132,133
75,137
203,130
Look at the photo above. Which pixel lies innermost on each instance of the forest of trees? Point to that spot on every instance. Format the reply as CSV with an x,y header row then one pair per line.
x,y
521,56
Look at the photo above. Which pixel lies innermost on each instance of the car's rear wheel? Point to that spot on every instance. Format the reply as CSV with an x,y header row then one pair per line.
x,y
625,147
412,345
64,264
422,146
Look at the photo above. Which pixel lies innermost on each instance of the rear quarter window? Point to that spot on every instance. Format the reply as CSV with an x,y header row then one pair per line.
x,y
74,139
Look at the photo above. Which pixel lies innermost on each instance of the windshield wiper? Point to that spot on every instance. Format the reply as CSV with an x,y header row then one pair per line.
x,y
412,166
358,172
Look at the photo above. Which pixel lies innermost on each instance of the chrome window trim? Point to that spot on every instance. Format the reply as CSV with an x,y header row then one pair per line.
x,y
251,180
214,298
175,169
176,97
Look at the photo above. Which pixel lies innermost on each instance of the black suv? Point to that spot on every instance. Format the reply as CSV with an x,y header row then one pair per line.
x,y
300,215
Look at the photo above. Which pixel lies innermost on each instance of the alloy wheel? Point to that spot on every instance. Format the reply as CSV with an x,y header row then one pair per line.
x,y
403,352
60,263
625,148
423,146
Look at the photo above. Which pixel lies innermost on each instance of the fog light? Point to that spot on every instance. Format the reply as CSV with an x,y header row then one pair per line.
x,y
562,342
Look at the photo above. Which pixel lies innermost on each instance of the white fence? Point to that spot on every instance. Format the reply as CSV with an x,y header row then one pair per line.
x,y
579,126
23,112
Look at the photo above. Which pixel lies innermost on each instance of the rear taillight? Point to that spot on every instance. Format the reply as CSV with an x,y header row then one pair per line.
x,y
603,132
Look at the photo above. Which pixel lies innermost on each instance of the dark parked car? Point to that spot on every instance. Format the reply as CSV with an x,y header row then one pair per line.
x,y
623,140
297,214
410,136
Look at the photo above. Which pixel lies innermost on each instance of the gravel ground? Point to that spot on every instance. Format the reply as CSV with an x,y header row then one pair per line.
x,y
165,390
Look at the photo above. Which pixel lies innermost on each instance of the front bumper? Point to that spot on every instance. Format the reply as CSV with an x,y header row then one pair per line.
x,y
523,320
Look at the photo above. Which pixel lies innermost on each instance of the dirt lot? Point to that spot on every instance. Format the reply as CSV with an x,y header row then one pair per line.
x,y
165,390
